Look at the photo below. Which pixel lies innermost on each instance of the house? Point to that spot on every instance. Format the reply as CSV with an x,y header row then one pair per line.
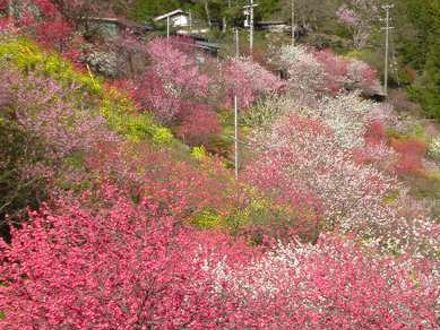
x,y
178,18
273,26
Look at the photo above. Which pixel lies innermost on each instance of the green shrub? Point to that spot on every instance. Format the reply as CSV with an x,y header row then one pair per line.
x,y
207,219
19,188
199,153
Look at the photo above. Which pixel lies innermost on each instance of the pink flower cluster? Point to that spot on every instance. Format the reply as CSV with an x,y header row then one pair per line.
x,y
132,266
50,112
249,81
323,73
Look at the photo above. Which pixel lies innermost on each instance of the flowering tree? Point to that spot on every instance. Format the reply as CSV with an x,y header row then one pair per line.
x,y
359,16
348,116
178,70
304,72
249,80
151,94
331,285
411,153
173,78
54,33
335,68
122,266
49,111
316,73
198,124
299,156
363,77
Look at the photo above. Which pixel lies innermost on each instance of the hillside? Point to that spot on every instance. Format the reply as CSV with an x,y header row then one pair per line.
x,y
122,206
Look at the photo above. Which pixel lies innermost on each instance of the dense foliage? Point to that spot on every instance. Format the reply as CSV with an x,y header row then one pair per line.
x,y
119,208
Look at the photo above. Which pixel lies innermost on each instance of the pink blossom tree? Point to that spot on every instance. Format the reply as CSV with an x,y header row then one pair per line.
x,y
335,68
198,124
49,111
359,17
249,80
173,79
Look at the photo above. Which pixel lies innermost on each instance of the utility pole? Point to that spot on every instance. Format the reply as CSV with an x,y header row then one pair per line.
x,y
251,28
250,12
387,29
237,43
293,22
190,22
168,27
236,160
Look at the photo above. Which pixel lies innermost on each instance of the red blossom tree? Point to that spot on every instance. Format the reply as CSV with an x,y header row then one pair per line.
x,y
122,266
114,264
411,153
198,124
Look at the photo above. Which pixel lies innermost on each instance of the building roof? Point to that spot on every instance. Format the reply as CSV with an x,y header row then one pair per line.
x,y
119,21
170,14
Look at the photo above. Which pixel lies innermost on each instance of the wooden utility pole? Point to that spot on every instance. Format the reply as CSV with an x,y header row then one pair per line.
x,y
293,22
237,43
251,28
236,151
250,12
190,21
387,29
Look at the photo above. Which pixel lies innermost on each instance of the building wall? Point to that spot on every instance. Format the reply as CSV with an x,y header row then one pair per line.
x,y
180,21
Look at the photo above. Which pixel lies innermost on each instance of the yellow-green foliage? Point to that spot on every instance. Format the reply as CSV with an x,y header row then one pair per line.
x,y
391,198
416,132
259,211
199,153
120,113
118,110
207,219
27,56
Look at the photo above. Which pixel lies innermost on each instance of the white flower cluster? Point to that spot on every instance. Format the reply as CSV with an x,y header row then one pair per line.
x,y
314,279
355,198
434,148
305,74
356,78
